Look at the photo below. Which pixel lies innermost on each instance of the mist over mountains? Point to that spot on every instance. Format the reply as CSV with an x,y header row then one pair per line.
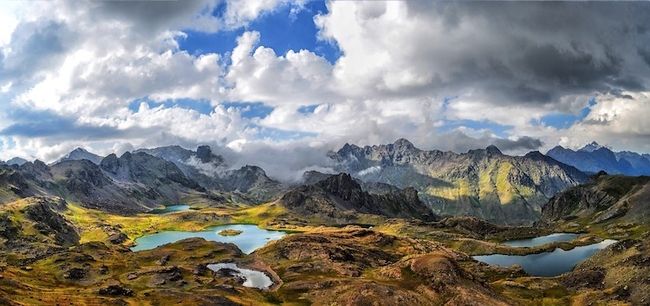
x,y
484,183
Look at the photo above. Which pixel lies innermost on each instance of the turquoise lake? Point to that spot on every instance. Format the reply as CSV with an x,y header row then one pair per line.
x,y
170,209
251,238
537,241
253,278
549,263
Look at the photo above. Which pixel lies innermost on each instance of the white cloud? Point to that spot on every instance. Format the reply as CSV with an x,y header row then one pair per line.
x,y
399,62
258,74
619,121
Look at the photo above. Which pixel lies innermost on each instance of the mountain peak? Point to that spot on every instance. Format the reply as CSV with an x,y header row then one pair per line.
x,y
80,154
347,148
403,143
593,146
18,161
492,149
535,155
205,154
79,149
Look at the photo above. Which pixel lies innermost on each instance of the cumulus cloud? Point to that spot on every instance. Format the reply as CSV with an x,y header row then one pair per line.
x,y
511,63
407,69
513,52
258,74
619,121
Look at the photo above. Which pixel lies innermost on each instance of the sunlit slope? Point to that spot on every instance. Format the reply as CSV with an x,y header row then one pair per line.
x,y
483,183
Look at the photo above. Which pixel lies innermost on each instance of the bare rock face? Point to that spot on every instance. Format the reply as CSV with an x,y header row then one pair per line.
x,y
48,221
204,153
75,273
483,183
607,197
110,163
248,183
8,228
340,197
329,267
116,290
117,238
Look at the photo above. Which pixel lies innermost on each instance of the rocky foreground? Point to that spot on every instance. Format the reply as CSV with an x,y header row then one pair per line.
x,y
44,263
53,252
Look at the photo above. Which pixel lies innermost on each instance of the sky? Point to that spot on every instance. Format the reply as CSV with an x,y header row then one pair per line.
x,y
279,83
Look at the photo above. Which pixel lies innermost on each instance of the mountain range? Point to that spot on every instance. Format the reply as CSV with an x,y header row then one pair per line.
x,y
606,198
339,198
594,158
128,184
137,181
484,183
250,183
80,154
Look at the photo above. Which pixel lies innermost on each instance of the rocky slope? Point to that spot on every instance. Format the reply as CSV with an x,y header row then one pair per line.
x,y
348,266
80,154
249,183
618,274
339,198
13,185
606,198
594,158
16,161
331,267
129,184
483,183
149,171
34,228
84,182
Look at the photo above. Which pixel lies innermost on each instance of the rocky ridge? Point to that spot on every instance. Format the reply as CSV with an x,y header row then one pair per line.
x,y
606,198
484,183
594,158
340,198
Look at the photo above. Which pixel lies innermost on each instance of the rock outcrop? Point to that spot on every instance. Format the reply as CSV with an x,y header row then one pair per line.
x,y
340,198
607,197
482,183
248,183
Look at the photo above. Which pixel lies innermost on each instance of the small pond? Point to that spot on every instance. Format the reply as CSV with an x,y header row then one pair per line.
x,y
537,241
250,239
549,263
252,278
170,209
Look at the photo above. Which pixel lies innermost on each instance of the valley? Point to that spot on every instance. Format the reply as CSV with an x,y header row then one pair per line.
x,y
334,239
324,152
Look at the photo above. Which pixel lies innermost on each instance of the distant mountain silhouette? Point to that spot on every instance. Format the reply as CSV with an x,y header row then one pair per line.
x,y
594,157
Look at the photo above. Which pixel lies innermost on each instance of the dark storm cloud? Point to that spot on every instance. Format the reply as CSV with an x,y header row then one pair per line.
x,y
523,143
153,16
43,124
460,142
538,52
35,46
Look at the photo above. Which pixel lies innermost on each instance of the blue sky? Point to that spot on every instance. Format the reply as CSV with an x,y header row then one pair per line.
x,y
377,71
280,30
566,120
285,28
